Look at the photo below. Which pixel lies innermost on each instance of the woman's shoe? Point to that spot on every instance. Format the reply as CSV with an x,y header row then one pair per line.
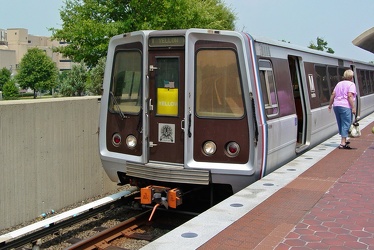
x,y
344,146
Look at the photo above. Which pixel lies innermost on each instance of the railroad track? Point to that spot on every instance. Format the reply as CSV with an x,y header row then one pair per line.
x,y
127,228
113,225
135,232
39,230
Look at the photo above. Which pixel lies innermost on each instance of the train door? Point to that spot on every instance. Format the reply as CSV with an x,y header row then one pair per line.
x,y
166,105
299,100
217,127
358,93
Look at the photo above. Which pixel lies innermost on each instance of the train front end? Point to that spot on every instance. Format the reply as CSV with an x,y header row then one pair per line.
x,y
176,113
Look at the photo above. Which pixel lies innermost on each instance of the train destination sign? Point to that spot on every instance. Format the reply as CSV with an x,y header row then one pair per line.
x,y
167,41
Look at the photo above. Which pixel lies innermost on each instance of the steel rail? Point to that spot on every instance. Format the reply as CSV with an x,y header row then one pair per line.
x,y
53,227
101,240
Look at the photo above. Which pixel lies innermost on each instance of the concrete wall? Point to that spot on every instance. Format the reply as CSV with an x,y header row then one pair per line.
x,y
49,156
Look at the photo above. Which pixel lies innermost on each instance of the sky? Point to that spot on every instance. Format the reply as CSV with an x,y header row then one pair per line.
x,y
299,22
35,15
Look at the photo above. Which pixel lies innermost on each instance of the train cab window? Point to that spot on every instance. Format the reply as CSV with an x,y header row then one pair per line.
x,y
323,85
125,88
269,92
218,85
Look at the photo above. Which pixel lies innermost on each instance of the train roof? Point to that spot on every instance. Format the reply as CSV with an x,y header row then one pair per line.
x,y
304,49
365,40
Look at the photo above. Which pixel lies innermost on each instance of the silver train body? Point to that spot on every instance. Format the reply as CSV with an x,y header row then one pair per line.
x,y
209,107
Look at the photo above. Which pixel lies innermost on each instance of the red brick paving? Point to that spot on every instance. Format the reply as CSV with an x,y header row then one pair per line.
x,y
330,206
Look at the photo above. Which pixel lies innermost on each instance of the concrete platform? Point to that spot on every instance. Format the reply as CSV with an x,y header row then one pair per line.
x,y
324,199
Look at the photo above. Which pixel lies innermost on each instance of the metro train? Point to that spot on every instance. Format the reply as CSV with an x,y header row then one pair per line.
x,y
216,110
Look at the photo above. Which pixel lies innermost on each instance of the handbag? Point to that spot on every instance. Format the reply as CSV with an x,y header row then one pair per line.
x,y
354,130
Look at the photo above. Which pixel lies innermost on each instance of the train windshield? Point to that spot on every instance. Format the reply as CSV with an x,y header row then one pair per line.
x,y
218,88
125,87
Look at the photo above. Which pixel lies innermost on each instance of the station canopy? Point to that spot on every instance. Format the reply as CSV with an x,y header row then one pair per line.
x,y
365,40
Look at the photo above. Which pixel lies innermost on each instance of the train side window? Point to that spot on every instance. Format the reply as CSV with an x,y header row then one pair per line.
x,y
218,85
333,77
324,91
371,81
367,81
269,92
362,81
341,74
125,85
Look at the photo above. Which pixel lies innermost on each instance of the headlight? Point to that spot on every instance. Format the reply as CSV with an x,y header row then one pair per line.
x,y
209,148
131,141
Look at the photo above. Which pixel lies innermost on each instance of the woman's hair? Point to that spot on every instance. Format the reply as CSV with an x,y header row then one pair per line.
x,y
348,74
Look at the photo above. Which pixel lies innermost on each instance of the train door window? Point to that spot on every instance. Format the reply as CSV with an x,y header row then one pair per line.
x,y
333,77
322,84
125,88
218,85
358,79
167,84
269,92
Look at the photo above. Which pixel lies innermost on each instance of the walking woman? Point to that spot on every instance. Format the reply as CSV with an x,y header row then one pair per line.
x,y
343,99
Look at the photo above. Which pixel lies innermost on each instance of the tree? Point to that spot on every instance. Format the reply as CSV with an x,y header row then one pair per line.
x,y
95,83
10,90
36,71
89,24
4,77
321,45
65,88
74,84
61,79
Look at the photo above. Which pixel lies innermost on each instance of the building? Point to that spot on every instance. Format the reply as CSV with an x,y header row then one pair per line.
x,y
7,56
14,43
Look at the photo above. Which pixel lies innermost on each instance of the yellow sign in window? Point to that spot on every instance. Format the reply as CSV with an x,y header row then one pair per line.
x,y
167,101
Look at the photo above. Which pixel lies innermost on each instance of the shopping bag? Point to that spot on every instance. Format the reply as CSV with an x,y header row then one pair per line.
x,y
354,130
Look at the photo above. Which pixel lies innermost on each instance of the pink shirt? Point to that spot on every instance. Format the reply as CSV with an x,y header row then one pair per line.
x,y
341,93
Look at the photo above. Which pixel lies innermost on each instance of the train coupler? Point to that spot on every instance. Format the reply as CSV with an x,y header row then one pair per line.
x,y
161,195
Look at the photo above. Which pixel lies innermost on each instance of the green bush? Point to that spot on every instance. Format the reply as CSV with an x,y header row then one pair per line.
x,y
10,91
